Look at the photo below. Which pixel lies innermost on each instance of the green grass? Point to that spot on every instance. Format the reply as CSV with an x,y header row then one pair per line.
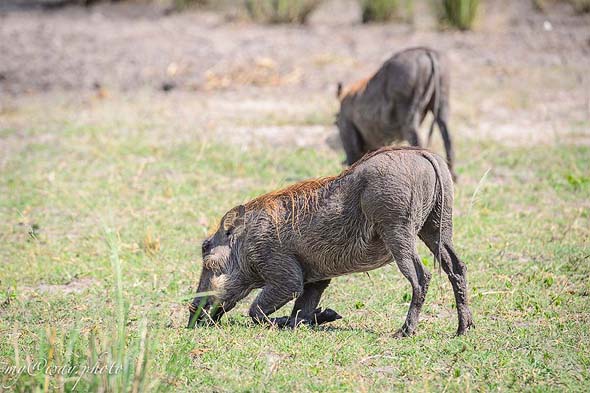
x,y
108,202
459,13
281,11
378,10
581,6
386,10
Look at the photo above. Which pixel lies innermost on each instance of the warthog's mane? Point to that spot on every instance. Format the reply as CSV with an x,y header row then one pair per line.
x,y
303,195
355,88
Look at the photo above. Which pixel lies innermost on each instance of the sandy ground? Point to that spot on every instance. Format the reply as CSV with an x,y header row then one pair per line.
x,y
522,76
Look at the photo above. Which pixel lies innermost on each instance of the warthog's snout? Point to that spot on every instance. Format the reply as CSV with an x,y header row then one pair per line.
x,y
203,311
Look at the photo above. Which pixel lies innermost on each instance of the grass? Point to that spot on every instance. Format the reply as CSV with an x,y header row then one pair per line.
x,y
581,6
379,10
184,4
459,13
281,11
105,200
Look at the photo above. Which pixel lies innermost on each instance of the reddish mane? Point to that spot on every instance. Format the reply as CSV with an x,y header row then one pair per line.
x,y
306,190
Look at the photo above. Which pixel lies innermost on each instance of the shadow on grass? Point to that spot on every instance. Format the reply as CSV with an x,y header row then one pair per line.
x,y
248,324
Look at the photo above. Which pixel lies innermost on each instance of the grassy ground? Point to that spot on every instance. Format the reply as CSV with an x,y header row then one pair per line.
x,y
100,229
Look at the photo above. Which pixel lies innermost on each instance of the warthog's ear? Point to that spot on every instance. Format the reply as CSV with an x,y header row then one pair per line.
x,y
234,218
339,90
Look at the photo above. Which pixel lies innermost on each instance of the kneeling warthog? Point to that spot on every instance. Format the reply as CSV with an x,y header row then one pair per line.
x,y
390,105
292,242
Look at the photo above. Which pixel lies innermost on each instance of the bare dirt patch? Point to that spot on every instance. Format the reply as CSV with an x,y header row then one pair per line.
x,y
75,286
520,77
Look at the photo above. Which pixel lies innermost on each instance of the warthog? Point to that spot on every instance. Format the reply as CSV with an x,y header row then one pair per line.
x,y
390,105
292,242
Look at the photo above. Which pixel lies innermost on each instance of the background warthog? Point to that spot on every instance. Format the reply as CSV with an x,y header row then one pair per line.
x,y
391,105
293,241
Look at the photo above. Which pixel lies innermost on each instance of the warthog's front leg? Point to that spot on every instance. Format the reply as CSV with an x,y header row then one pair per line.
x,y
270,299
305,309
306,304
318,317
281,286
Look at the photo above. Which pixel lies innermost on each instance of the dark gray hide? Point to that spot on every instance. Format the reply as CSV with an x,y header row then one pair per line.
x,y
390,106
292,242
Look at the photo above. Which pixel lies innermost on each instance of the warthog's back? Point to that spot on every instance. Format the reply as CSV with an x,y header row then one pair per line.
x,y
389,106
336,228
383,105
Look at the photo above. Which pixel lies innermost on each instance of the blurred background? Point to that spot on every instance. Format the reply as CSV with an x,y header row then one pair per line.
x,y
519,68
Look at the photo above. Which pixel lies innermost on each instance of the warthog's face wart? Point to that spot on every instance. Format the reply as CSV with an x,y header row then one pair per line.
x,y
216,253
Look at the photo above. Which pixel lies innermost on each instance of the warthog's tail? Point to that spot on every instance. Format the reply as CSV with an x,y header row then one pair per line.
x,y
441,202
422,99
436,83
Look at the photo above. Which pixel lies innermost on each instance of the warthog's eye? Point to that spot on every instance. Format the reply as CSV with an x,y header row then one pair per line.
x,y
229,232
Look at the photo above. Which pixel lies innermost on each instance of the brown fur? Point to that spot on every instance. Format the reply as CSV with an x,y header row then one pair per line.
x,y
357,87
306,191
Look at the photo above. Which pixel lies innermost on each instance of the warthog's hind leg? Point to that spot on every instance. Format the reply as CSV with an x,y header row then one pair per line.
x,y
412,137
410,131
456,272
444,130
402,245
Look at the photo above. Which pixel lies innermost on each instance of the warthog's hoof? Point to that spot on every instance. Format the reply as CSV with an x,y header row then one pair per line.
x,y
325,316
318,317
403,332
463,329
